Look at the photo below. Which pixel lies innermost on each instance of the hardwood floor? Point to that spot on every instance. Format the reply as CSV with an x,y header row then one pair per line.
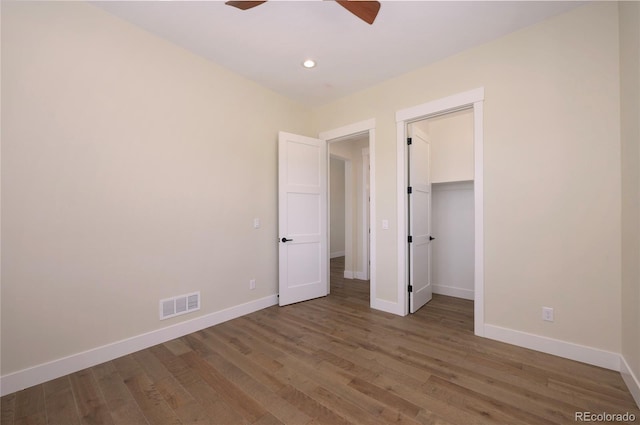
x,y
328,361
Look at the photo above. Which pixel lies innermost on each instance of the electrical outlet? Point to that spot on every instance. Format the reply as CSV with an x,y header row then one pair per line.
x,y
547,314
252,284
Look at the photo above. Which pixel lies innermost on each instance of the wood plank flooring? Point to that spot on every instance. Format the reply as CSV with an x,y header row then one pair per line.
x,y
328,361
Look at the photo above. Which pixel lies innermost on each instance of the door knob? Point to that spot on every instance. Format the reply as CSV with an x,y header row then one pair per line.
x,y
286,240
431,238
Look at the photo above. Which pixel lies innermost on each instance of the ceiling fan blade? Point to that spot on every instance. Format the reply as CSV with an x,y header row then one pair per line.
x,y
244,5
363,9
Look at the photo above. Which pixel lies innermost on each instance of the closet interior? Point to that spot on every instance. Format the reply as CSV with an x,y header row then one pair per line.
x,y
452,204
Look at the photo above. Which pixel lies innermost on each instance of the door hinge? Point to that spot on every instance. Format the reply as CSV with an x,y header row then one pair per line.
x,y
409,190
409,140
410,239
410,288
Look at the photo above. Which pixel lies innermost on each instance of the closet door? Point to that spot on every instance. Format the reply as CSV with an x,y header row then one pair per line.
x,y
419,192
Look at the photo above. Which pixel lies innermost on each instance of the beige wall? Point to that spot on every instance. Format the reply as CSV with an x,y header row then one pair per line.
x,y
337,205
129,174
552,182
359,249
630,119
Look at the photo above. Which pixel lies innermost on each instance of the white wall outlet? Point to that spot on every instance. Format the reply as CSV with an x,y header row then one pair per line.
x,y
252,284
256,223
547,314
385,224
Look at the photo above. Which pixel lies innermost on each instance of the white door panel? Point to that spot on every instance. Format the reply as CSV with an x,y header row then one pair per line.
x,y
302,203
419,222
306,221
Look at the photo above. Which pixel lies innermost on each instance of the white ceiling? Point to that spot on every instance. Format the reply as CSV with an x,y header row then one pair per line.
x,y
268,43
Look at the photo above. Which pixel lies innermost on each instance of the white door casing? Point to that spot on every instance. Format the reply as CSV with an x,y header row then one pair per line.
x,y
474,99
302,218
419,221
366,226
351,130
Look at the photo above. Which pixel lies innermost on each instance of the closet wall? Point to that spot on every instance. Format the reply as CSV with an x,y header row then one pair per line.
x,y
452,253
452,214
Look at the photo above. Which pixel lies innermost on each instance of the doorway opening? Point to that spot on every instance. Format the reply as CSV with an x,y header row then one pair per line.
x,y
349,212
351,150
405,119
446,215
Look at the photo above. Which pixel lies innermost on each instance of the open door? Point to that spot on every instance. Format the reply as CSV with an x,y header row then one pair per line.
x,y
302,218
419,192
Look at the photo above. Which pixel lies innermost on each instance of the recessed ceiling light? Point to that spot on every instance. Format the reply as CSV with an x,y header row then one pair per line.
x,y
309,63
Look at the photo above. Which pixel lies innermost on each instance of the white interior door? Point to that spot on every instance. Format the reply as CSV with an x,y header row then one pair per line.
x,y
302,218
420,290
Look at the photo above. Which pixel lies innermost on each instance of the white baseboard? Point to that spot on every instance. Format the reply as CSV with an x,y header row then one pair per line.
x,y
568,350
336,254
387,306
451,291
348,274
361,276
35,375
632,381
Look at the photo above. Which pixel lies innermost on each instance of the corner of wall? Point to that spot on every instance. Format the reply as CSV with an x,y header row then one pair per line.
x,y
630,378
629,39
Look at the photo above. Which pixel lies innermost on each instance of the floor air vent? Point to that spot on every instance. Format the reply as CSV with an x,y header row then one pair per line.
x,y
171,307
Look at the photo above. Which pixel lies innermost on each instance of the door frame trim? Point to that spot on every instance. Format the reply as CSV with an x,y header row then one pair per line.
x,y
366,225
470,99
348,131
